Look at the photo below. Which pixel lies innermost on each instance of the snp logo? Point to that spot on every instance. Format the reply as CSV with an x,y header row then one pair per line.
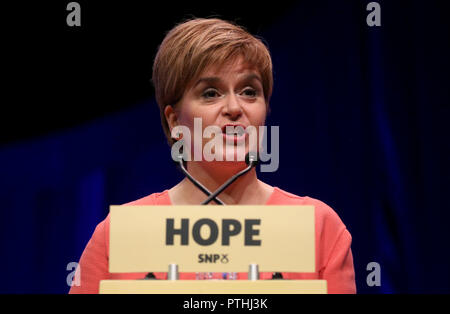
x,y
213,258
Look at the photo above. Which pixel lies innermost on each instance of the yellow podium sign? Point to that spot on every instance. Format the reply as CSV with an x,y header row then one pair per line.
x,y
278,238
213,287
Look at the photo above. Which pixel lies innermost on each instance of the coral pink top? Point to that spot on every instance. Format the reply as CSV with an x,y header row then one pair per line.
x,y
334,261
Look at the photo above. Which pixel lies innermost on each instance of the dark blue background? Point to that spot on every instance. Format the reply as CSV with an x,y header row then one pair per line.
x,y
363,115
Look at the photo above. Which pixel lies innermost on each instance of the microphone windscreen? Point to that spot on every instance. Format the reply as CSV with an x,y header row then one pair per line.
x,y
251,159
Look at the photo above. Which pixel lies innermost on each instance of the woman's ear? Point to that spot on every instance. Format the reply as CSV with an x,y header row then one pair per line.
x,y
171,117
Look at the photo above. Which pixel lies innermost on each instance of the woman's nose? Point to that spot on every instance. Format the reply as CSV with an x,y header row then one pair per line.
x,y
232,107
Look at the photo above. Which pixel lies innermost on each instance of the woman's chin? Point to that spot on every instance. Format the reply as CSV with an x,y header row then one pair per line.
x,y
234,155
227,159
227,163
225,168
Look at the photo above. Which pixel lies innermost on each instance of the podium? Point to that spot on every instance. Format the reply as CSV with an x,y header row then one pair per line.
x,y
196,238
213,287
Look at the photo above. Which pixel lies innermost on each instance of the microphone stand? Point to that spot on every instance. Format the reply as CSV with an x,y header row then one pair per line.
x,y
195,182
251,161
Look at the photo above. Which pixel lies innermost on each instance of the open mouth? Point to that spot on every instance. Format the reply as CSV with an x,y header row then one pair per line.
x,y
233,134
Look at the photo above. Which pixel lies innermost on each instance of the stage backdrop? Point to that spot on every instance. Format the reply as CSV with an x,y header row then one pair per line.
x,y
363,115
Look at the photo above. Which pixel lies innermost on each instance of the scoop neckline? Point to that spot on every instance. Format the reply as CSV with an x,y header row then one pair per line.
x,y
275,189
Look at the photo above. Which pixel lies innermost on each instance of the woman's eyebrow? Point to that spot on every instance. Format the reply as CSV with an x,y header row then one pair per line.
x,y
209,79
216,79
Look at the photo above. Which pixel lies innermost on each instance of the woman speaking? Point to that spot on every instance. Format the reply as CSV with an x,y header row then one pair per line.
x,y
215,72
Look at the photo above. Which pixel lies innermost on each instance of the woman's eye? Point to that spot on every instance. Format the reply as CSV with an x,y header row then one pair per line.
x,y
250,92
210,93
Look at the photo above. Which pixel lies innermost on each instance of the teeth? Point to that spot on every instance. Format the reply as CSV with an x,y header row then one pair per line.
x,y
234,130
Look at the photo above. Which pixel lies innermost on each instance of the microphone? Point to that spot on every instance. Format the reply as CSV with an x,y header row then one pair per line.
x,y
180,162
251,159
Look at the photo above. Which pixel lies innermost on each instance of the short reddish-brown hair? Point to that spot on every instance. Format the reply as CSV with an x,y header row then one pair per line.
x,y
192,47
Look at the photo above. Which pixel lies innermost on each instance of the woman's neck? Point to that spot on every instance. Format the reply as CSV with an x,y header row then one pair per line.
x,y
247,189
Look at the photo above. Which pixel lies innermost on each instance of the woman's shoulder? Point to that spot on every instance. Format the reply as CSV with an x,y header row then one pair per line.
x,y
102,229
323,212
160,198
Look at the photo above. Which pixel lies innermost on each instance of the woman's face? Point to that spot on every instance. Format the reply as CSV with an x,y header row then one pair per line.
x,y
231,95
